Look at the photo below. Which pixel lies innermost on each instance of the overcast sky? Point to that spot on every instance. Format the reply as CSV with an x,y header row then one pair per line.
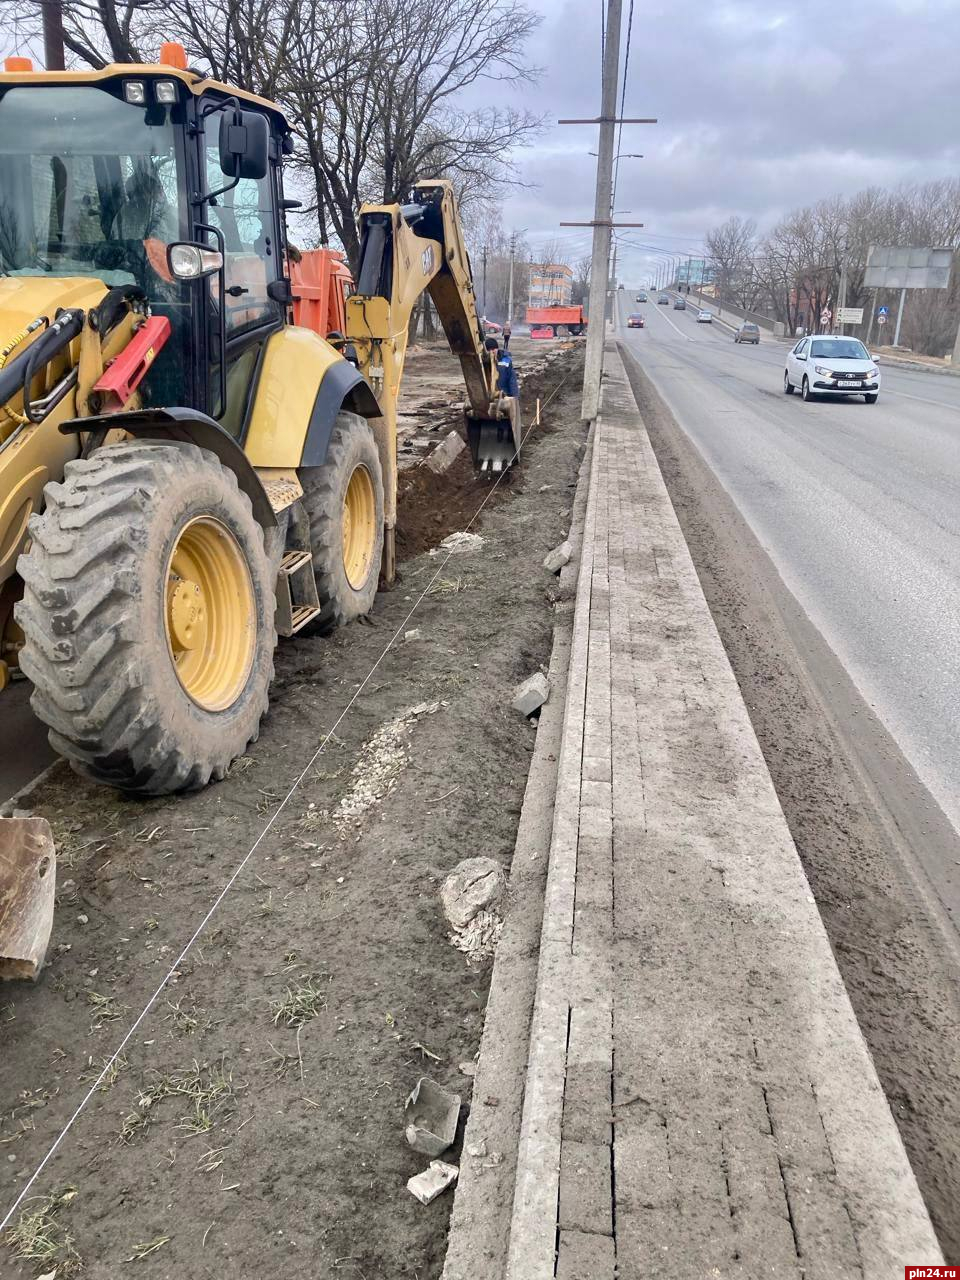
x,y
762,105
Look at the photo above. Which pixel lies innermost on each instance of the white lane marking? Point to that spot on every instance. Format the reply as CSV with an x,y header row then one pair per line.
x,y
673,326
904,395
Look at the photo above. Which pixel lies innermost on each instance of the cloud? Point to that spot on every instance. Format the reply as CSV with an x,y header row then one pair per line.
x,y
762,107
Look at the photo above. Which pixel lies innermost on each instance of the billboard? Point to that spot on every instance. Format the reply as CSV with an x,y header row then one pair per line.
x,y
695,271
906,267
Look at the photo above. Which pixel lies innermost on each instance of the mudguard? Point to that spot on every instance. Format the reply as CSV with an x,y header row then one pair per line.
x,y
191,427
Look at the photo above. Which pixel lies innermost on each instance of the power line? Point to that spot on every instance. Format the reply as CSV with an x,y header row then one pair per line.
x,y
623,102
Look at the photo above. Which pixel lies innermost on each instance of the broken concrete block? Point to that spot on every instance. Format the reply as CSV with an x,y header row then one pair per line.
x,y
435,1179
446,453
474,885
412,635
558,557
431,1113
532,694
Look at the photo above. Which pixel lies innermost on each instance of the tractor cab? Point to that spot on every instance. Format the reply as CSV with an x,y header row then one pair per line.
x,y
154,180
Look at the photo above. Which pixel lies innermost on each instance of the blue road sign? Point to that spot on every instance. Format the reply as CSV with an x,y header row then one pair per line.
x,y
883,311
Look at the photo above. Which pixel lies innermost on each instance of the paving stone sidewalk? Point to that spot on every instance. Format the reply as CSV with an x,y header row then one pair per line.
x,y
699,1099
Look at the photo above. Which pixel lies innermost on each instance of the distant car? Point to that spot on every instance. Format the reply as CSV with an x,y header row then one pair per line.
x,y
491,326
829,364
704,317
641,297
635,320
663,301
679,304
748,332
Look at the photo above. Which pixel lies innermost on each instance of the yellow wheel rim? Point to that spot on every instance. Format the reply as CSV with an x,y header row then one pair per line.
x,y
210,614
359,527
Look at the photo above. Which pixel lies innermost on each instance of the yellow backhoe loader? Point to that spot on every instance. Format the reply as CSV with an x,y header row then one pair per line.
x,y
184,473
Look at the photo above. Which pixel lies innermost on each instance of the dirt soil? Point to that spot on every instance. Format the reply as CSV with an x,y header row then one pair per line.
x,y
855,808
254,1123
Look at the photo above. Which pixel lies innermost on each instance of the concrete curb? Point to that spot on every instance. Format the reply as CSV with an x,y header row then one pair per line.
x,y
895,362
477,1243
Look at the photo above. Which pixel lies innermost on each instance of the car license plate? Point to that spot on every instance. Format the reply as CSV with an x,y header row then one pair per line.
x,y
848,384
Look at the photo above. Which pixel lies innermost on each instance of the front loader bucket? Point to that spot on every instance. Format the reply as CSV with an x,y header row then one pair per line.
x,y
495,442
28,876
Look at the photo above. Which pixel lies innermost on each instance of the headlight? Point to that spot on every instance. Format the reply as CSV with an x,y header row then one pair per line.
x,y
135,92
873,371
192,261
166,91
826,373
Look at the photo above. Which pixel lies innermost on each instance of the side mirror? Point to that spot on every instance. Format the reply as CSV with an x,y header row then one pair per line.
x,y
188,261
244,144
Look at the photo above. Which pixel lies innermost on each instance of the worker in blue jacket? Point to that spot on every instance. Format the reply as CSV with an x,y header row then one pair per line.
x,y
507,382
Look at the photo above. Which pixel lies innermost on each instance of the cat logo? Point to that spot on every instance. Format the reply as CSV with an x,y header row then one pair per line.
x,y
427,260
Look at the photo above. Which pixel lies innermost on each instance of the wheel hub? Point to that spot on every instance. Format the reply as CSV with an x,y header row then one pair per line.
x,y
186,614
210,614
358,527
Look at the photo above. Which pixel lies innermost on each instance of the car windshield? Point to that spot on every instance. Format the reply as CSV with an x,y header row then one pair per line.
x,y
87,181
839,349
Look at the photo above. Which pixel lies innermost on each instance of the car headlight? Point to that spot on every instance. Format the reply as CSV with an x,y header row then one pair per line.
x,y
873,371
826,373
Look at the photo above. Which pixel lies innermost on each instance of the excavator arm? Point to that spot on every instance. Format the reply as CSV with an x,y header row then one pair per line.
x,y
406,250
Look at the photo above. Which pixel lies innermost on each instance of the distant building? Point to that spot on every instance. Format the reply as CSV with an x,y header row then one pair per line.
x,y
550,282
695,271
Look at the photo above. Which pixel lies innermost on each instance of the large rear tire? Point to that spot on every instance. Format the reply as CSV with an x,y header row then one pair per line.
x,y
344,503
148,616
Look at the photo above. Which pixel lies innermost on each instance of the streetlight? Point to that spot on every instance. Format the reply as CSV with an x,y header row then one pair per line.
x,y
623,155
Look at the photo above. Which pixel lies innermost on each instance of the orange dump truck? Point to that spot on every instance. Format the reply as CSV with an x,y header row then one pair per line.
x,y
544,322
321,284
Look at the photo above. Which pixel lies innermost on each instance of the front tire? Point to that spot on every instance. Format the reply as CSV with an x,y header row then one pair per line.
x,y
787,384
805,393
148,615
870,399
344,503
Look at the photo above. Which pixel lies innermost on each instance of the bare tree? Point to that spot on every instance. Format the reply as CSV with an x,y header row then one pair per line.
x,y
375,94
797,267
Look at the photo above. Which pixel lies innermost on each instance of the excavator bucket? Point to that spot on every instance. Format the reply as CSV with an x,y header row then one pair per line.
x,y
28,877
495,442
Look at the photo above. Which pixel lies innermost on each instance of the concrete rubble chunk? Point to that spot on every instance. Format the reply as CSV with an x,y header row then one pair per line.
x,y
558,557
474,885
446,453
433,1181
532,694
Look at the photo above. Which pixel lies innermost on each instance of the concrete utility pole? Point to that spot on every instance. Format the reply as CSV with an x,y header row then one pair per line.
x,y
903,298
484,280
842,302
955,360
52,12
513,254
603,203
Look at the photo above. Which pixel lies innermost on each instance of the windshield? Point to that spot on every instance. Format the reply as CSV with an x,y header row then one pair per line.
x,y
839,349
88,184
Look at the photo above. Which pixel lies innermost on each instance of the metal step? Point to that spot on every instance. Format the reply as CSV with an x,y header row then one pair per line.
x,y
297,599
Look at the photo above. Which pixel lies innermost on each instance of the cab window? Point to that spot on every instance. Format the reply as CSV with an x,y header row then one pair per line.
x,y
244,215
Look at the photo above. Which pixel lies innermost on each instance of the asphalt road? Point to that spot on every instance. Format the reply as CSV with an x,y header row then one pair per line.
x,y
857,505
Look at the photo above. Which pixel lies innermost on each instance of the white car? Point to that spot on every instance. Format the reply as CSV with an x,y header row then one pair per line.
x,y
829,364
704,317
